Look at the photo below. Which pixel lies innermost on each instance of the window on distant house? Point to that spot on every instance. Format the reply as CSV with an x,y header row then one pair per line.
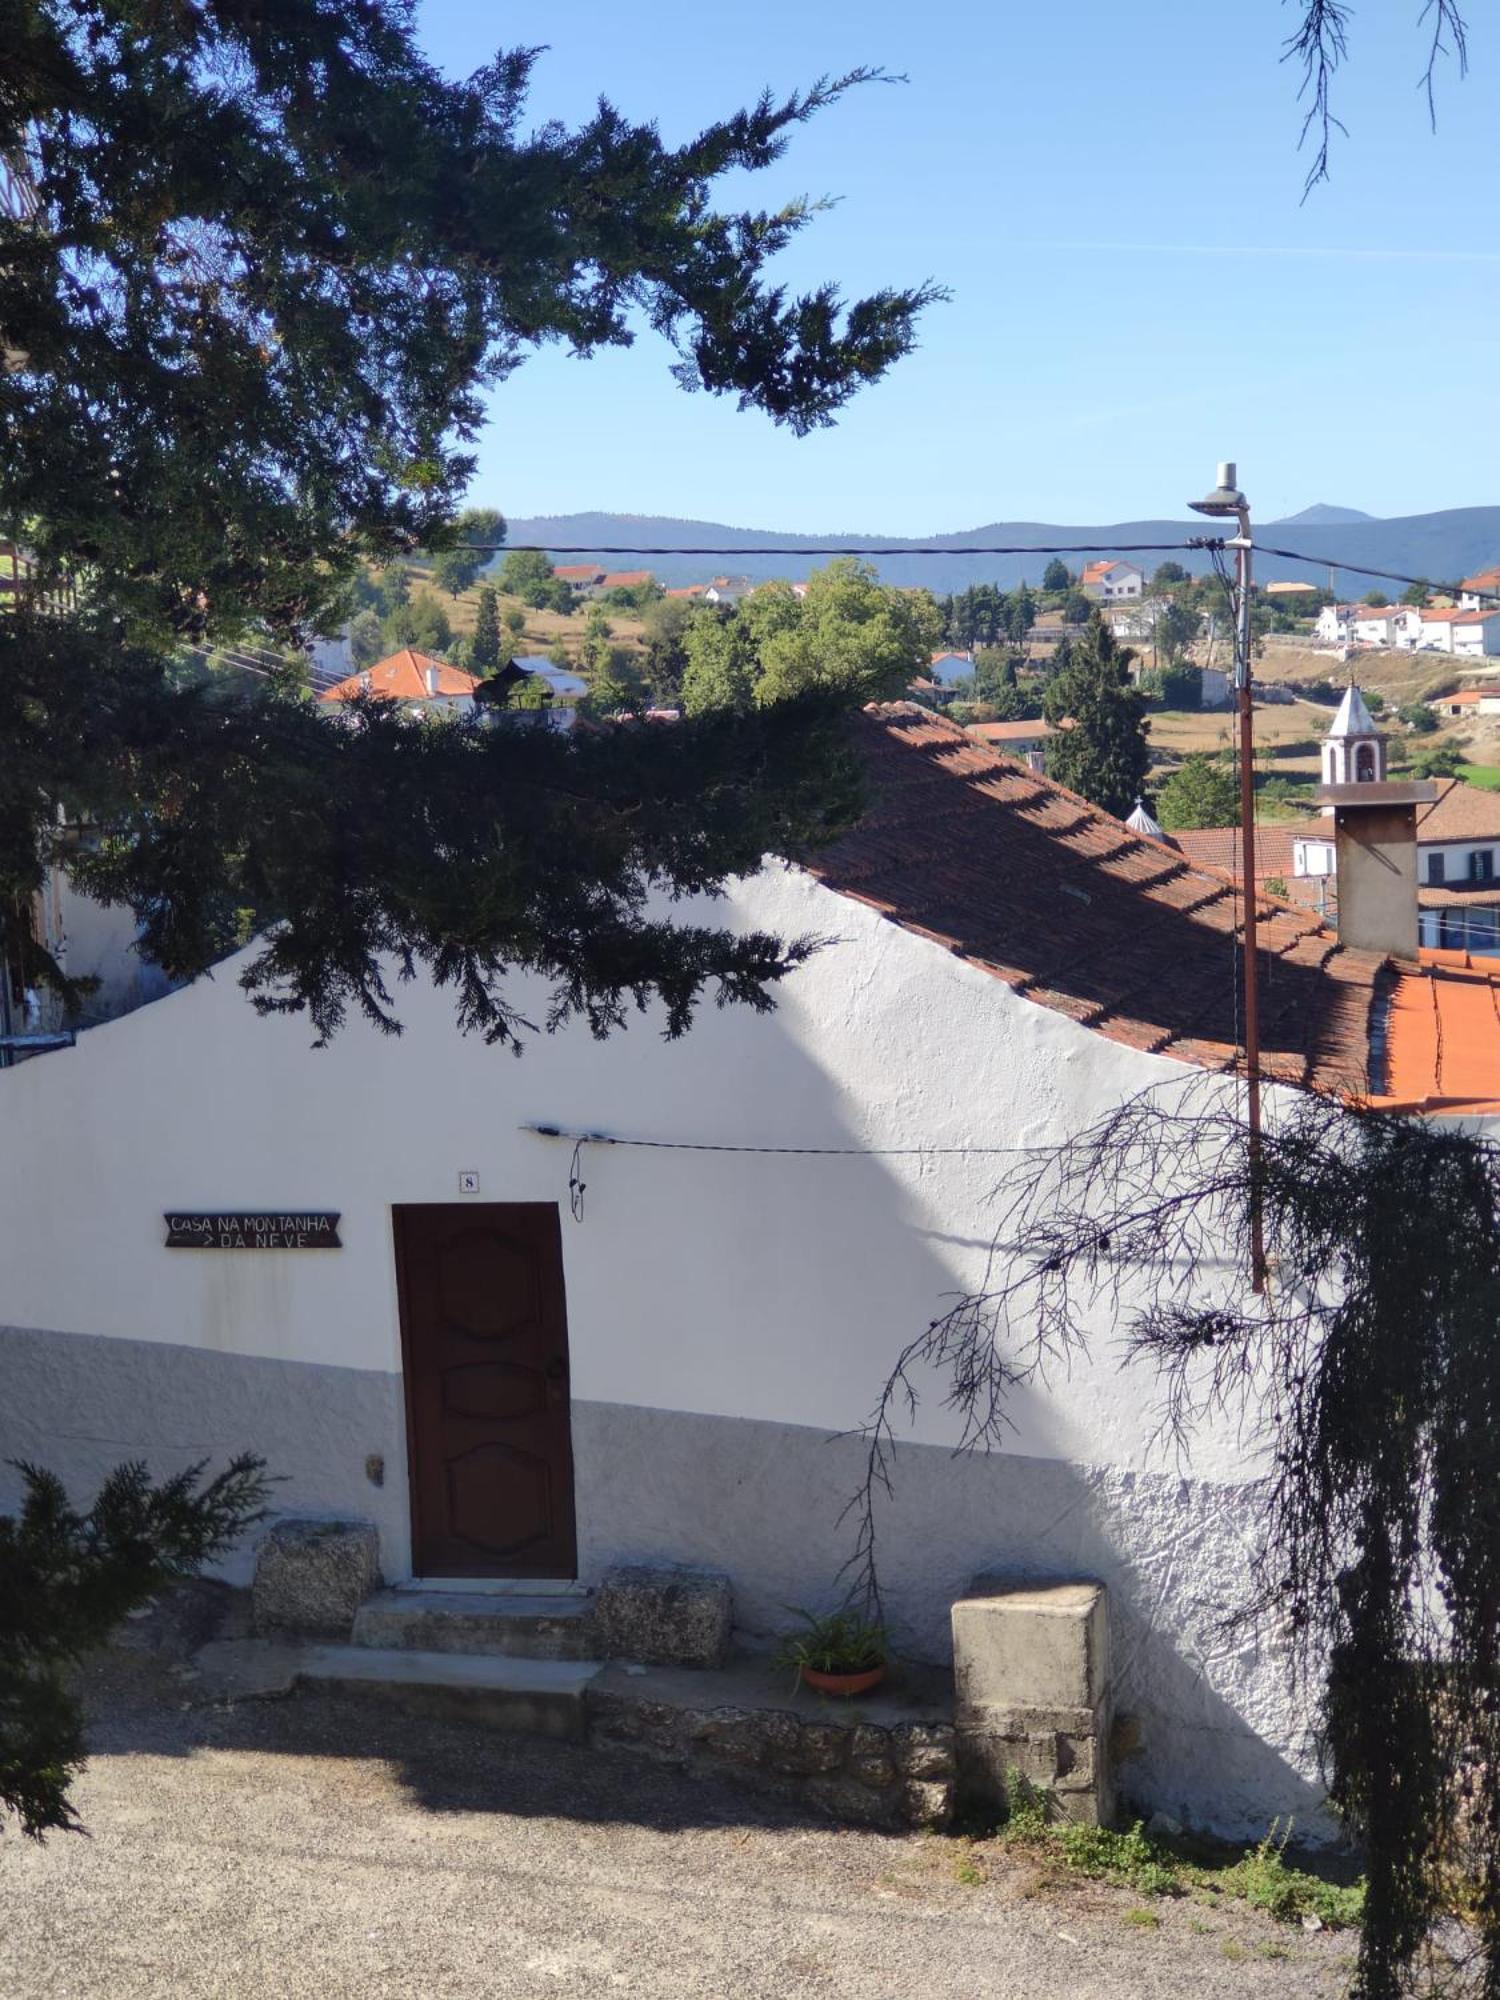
x,y
1482,864
1435,869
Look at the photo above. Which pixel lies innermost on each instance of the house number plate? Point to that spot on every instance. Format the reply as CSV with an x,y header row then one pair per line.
x,y
254,1229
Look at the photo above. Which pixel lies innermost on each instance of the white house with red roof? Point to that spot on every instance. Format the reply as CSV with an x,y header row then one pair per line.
x,y
520,1381
1481,591
422,684
1112,582
1472,634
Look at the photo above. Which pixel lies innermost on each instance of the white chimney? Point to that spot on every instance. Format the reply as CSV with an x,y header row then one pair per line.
x,y
432,674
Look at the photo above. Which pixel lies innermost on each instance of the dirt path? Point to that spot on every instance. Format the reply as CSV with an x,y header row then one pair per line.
x,y
326,1848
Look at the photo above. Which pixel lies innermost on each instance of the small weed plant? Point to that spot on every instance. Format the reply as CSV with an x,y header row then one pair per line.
x,y
1138,1861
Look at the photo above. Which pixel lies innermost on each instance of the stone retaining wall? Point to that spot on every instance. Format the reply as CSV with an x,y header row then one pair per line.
x,y
902,1775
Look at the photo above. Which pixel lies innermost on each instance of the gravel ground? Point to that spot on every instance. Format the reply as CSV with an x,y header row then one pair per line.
x,y
321,1847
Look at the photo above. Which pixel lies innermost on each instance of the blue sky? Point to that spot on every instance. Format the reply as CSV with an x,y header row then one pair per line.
x,y
1113,195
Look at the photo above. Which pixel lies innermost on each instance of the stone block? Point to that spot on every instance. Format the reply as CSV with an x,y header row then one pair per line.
x,y
312,1576
823,1747
665,1617
874,1771
733,1734
1020,1643
924,1750
928,1803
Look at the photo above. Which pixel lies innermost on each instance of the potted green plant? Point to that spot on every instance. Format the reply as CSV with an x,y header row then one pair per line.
x,y
842,1653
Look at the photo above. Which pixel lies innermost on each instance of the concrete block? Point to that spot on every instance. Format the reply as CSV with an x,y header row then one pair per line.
x,y
1021,1643
312,1576
665,1617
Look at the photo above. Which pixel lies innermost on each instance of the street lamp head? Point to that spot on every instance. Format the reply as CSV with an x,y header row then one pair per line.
x,y
1226,498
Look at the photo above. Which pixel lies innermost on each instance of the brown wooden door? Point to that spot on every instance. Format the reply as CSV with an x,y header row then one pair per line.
x,y
484,1335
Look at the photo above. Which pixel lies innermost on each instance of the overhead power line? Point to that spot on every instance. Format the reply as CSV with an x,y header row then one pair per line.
x,y
982,549
1448,589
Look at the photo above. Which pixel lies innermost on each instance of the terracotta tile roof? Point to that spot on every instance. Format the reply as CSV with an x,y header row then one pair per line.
x,y
1460,812
1095,572
1442,1036
578,572
402,677
1002,733
1486,579
1465,696
1063,903
689,590
1219,847
625,579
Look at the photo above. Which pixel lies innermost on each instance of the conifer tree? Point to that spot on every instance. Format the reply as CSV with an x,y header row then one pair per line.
x,y
484,648
1103,754
202,437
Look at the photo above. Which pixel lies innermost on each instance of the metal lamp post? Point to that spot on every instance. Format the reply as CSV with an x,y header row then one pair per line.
x,y
1227,502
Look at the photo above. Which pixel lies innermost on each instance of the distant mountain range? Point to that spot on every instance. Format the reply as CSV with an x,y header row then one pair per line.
x,y
1441,546
1321,515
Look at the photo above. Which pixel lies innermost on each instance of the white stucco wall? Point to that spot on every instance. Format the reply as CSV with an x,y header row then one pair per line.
x,y
762,1296
757,1286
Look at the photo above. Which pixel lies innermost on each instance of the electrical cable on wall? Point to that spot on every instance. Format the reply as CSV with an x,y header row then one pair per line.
x,y
577,1184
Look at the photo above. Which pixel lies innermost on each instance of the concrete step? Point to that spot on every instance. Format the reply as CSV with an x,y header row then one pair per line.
x,y
538,1697
518,1628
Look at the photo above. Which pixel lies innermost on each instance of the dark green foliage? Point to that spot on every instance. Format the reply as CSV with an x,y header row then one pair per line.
x,y
1438,760
484,647
842,1642
366,639
1375,598
529,575
233,203
1168,574
464,849
1200,792
1416,594
461,554
66,1581
1104,755
1175,630
1076,608
1176,687
275,263
1367,1373
1057,575
421,622
1418,718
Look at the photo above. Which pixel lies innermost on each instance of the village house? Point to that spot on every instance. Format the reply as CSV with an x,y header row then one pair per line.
x,y
622,579
1480,592
1467,703
1108,582
1457,843
1025,740
622,1301
581,578
1475,633
422,684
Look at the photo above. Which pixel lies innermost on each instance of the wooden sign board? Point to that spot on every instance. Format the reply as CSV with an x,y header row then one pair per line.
x,y
254,1229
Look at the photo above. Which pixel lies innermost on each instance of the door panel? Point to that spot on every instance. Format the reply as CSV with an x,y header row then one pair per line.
x,y
485,1342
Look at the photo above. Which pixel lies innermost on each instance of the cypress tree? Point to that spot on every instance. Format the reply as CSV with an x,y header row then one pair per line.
x,y
484,649
1104,754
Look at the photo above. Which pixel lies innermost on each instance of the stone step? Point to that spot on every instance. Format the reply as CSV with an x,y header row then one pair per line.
x,y
538,1697
437,1621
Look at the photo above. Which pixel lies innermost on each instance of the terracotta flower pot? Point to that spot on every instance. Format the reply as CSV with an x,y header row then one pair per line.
x,y
845,1684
